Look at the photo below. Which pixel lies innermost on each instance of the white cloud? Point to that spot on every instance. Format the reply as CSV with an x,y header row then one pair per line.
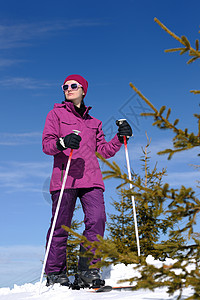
x,y
17,139
182,178
20,35
24,176
24,83
20,264
9,62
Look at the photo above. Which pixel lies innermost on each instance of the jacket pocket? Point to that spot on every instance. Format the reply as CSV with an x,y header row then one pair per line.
x,y
68,123
67,127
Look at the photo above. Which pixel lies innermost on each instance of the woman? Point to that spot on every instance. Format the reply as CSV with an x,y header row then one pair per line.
x,y
84,178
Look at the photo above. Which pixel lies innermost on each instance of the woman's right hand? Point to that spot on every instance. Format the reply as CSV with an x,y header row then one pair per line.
x,y
71,140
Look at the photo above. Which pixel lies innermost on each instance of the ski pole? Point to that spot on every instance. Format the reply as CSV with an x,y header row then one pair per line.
x,y
119,122
57,211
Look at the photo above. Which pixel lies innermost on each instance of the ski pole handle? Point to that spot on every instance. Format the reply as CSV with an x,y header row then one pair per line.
x,y
76,131
120,121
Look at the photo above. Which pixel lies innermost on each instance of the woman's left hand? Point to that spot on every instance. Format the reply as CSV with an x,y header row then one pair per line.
x,y
124,129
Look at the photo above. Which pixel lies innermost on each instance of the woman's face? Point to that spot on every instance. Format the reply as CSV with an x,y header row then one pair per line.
x,y
75,96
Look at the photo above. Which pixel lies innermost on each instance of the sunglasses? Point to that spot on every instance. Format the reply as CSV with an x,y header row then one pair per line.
x,y
73,86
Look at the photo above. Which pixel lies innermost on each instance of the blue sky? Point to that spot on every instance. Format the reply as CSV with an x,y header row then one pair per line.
x,y
110,43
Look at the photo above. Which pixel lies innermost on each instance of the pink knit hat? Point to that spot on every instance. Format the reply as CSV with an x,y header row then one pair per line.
x,y
80,80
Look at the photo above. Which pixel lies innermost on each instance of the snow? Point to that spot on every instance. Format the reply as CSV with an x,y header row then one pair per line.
x,y
111,275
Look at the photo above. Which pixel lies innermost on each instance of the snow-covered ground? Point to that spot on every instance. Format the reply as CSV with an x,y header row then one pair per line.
x,y
111,275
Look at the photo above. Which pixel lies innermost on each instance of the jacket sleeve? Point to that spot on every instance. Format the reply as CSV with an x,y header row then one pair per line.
x,y
107,149
51,134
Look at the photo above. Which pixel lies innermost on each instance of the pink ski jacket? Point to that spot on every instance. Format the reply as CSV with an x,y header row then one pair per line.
x,y
84,170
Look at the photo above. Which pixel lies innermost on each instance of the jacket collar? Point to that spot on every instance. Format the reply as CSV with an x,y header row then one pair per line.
x,y
70,107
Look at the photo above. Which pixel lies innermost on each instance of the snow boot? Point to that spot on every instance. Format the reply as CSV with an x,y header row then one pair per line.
x,y
89,276
56,277
87,279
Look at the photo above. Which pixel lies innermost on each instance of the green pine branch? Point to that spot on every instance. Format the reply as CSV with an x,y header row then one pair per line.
x,y
195,91
195,53
182,140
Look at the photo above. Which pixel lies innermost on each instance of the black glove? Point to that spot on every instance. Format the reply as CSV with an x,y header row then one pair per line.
x,y
124,130
71,140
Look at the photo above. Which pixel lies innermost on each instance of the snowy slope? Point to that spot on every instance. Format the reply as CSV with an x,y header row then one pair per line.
x,y
111,275
30,291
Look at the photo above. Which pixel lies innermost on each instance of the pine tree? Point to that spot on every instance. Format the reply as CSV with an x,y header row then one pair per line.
x,y
151,222
120,228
